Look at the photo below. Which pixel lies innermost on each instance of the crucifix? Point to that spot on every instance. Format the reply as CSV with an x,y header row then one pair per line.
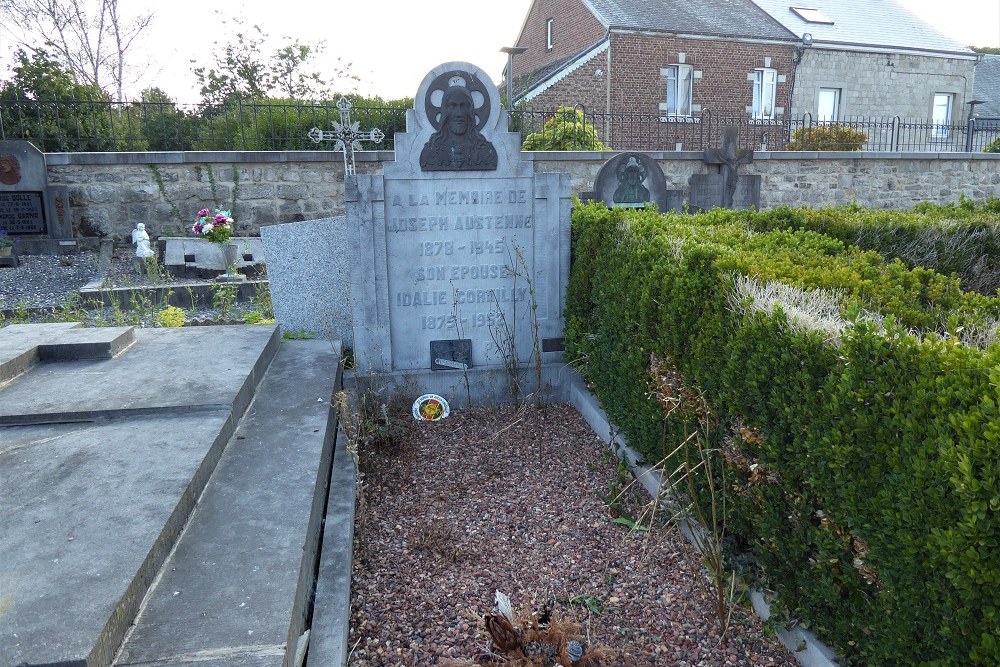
x,y
730,158
346,135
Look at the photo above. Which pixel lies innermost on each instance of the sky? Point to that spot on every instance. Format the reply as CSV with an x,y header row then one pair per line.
x,y
392,44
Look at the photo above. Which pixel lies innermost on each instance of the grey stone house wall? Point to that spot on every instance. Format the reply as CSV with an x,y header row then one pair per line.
x,y
109,193
881,85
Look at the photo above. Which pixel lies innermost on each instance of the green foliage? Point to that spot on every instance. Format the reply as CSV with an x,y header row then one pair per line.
x,y
171,316
960,239
567,130
827,138
241,71
862,469
79,117
993,146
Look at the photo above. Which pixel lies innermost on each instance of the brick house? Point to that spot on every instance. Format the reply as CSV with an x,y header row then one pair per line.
x,y
636,62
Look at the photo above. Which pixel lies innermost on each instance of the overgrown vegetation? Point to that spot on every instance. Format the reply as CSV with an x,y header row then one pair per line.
x,y
861,468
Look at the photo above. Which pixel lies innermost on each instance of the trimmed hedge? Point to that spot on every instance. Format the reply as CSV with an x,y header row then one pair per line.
x,y
961,239
868,490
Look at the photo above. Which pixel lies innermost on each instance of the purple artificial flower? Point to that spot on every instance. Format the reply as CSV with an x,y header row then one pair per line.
x,y
202,213
220,219
197,228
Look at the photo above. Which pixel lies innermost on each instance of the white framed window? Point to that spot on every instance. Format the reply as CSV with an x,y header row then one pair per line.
x,y
549,27
765,85
679,88
828,105
941,114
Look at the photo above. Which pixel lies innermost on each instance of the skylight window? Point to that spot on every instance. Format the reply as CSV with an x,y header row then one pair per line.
x,y
811,15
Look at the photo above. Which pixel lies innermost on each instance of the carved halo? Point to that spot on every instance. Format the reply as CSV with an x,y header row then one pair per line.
x,y
435,94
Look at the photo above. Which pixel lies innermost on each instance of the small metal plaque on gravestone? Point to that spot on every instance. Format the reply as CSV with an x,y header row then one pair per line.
x,y
631,180
23,189
451,354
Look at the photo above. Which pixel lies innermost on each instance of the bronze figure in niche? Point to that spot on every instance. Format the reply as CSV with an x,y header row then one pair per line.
x,y
630,190
457,105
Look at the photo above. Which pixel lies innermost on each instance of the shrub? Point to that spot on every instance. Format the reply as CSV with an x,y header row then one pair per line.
x,y
567,130
827,138
993,146
171,316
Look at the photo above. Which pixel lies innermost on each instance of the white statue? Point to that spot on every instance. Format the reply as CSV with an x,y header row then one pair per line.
x,y
141,239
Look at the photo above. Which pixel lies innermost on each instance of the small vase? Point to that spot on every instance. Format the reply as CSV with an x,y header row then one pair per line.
x,y
230,253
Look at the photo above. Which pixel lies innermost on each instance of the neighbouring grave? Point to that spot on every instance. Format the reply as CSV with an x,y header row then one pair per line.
x,y
30,208
195,257
308,272
633,180
728,188
460,251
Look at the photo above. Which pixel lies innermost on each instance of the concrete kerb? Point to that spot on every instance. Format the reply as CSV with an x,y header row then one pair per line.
x,y
808,650
330,631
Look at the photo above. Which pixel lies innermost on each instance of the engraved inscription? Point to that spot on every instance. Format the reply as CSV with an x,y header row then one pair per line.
x,y
454,247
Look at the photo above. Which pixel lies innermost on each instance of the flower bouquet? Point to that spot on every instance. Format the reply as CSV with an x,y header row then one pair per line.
x,y
216,227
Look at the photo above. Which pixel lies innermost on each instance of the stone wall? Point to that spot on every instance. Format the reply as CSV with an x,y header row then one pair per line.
x,y
109,192
882,85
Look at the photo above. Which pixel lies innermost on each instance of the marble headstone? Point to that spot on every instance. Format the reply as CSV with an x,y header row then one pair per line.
x,y
459,240
708,191
308,274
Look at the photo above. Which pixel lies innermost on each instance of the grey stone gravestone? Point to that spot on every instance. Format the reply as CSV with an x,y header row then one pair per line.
x,y
308,272
29,206
459,240
728,188
633,180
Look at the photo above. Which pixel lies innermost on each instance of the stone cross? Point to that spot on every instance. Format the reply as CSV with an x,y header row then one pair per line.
x,y
730,158
346,135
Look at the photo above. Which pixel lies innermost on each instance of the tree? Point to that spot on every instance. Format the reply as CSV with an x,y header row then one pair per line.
x,y
240,69
45,105
89,38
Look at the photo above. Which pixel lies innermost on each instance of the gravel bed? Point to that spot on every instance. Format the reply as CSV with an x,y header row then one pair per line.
x,y
492,499
45,280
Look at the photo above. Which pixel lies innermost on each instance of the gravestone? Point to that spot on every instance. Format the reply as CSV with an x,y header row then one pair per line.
x,y
459,240
308,273
633,180
29,206
728,188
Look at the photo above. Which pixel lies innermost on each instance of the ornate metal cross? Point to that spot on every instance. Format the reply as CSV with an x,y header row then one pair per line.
x,y
346,135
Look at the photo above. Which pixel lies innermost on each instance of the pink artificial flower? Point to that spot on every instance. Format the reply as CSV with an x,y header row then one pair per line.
x,y
202,213
197,228
220,219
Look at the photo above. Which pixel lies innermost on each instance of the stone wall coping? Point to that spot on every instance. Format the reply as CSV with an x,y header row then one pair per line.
x,y
272,157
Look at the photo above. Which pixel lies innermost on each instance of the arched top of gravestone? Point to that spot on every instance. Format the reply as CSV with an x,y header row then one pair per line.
x,y
476,82
631,180
457,102
456,127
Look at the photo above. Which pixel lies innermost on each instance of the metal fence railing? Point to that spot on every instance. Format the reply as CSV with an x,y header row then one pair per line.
x,y
269,125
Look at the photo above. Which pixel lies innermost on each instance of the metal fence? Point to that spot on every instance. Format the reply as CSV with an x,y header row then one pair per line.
x,y
74,126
